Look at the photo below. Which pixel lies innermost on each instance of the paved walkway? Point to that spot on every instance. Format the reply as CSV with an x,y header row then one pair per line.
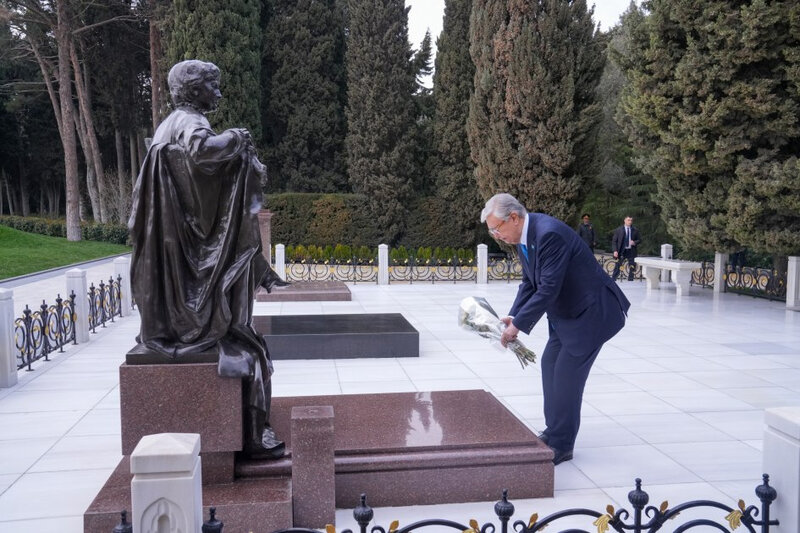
x,y
677,399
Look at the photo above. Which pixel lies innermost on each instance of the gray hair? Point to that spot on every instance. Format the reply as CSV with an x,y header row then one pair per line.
x,y
185,76
502,205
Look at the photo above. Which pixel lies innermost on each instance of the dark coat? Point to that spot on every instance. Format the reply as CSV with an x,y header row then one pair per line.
x,y
586,232
618,240
563,279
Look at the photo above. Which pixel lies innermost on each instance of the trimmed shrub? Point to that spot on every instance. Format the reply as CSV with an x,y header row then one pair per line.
x,y
90,231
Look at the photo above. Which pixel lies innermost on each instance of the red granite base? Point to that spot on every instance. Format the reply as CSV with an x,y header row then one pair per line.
x,y
422,448
307,291
246,505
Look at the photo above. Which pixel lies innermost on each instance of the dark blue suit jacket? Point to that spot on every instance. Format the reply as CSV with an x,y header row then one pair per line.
x,y
562,278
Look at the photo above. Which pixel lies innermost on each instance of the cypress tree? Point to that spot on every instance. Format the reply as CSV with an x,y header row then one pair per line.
x,y
714,118
304,122
380,111
533,114
226,33
452,87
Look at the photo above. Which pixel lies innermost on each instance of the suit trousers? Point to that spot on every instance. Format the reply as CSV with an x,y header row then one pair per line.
x,y
564,377
625,254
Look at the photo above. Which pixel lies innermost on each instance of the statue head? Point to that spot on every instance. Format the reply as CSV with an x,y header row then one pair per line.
x,y
194,83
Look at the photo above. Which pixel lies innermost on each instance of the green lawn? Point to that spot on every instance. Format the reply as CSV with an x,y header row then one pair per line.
x,y
23,253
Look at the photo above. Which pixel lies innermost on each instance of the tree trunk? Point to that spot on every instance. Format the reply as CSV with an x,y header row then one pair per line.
x,y
156,81
2,182
24,203
91,177
122,182
134,158
140,146
92,149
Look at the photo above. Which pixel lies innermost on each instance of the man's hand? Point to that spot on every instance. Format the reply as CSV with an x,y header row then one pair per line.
x,y
616,254
510,333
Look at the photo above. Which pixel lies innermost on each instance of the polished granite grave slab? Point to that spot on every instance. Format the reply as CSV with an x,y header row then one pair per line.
x,y
307,291
338,336
421,448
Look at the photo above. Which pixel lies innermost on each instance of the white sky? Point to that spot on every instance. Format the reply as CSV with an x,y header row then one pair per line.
x,y
428,14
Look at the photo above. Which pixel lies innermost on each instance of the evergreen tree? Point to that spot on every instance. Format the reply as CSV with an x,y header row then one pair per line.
x,y
226,33
533,114
380,111
304,122
425,110
452,166
714,118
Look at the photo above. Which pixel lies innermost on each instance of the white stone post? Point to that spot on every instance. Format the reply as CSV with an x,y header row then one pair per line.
x,y
383,264
666,253
793,284
8,356
76,282
122,270
720,261
483,263
781,460
280,261
166,490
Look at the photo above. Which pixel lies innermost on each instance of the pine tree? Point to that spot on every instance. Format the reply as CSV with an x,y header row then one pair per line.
x,y
226,33
533,115
422,66
715,120
380,111
452,87
304,123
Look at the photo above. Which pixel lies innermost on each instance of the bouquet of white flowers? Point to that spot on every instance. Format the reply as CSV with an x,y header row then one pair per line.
x,y
475,314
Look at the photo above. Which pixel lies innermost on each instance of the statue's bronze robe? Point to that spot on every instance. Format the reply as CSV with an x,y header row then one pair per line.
x,y
197,250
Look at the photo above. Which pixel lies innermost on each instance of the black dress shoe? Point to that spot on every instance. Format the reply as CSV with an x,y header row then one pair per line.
x,y
543,437
559,456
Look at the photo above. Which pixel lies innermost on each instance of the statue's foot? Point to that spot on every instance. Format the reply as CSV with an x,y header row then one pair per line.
x,y
270,446
278,283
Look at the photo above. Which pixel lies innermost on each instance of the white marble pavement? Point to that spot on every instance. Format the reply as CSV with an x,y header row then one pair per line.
x,y
676,399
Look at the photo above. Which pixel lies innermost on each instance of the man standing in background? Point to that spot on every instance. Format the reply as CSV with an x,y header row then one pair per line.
x,y
626,239
586,232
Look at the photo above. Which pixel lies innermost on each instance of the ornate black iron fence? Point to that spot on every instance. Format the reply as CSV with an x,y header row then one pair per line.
x,y
354,271
504,269
643,518
607,261
105,302
431,270
704,276
753,281
39,333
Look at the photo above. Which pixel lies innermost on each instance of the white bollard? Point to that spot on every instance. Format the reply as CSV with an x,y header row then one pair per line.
x,y
720,261
122,270
280,261
793,284
781,460
483,264
383,264
666,253
76,282
166,490
8,352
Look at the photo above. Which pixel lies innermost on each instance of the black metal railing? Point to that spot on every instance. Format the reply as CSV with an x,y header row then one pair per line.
x,y
432,269
354,271
105,302
608,262
504,269
643,518
41,332
704,276
754,281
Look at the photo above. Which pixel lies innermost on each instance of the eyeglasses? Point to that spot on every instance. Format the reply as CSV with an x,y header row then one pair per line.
x,y
495,230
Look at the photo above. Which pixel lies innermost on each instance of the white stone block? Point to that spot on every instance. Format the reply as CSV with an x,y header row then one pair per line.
x,y
793,284
122,271
8,351
781,460
166,490
720,262
483,263
383,264
280,261
76,282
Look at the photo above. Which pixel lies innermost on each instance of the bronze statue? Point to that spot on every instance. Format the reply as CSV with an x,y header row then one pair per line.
x,y
196,248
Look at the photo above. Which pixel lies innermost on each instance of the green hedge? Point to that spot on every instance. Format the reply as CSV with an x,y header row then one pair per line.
x,y
112,233
327,219
365,255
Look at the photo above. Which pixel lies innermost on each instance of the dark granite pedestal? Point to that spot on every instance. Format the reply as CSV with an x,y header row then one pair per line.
x,y
307,291
421,448
338,336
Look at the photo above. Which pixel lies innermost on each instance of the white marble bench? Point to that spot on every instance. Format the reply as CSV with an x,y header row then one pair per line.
x,y
681,272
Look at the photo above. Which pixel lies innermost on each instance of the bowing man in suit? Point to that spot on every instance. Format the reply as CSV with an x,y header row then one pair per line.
x,y
584,307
